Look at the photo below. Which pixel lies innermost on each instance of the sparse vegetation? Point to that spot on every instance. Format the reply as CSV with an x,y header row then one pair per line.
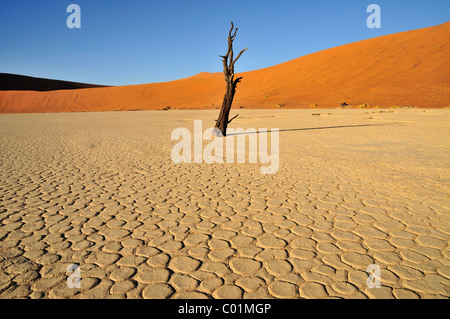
x,y
167,108
402,107
278,105
319,114
364,106
313,105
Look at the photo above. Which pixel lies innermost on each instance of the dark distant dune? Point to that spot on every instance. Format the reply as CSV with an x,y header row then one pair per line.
x,y
15,82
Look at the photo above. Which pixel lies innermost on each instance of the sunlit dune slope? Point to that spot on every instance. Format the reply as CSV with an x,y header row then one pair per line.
x,y
403,69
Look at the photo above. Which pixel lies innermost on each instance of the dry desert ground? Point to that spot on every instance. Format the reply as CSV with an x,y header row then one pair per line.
x,y
100,190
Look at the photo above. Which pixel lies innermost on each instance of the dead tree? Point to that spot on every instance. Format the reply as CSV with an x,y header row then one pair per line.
x,y
228,71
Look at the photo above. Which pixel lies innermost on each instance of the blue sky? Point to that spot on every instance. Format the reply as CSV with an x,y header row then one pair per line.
x,y
143,41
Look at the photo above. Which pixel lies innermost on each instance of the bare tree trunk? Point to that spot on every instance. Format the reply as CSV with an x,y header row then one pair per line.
x,y
228,71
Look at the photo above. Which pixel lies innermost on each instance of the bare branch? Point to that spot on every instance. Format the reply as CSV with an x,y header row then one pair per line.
x,y
234,34
239,55
232,27
233,118
231,51
236,81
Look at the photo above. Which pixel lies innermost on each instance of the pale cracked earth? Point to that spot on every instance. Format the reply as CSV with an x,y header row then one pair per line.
x,y
354,188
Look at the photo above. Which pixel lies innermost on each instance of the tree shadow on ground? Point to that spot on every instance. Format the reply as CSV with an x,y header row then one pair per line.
x,y
314,128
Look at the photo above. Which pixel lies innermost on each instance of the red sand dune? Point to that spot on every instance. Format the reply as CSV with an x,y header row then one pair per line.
x,y
403,69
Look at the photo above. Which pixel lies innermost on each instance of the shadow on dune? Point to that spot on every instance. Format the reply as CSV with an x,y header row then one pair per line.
x,y
315,128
